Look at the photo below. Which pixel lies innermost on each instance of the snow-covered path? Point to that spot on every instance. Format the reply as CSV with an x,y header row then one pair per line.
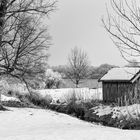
x,y
38,124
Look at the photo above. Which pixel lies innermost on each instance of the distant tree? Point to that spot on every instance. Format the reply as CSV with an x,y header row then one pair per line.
x,y
78,66
102,69
93,73
133,63
97,72
52,79
62,69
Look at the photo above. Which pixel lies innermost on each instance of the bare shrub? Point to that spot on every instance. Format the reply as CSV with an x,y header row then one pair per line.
x,y
73,96
79,95
38,100
48,99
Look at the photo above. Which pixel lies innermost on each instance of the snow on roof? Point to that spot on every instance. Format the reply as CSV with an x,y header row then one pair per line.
x,y
120,74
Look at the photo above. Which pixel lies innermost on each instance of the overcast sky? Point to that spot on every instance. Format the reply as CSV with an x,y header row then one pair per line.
x,y
78,23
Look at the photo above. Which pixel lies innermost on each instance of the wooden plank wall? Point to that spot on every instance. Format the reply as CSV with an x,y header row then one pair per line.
x,y
112,91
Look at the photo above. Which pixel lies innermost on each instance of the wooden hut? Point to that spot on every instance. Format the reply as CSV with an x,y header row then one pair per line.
x,y
121,84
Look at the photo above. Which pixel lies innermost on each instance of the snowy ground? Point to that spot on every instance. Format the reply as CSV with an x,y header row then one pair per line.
x,y
6,98
38,124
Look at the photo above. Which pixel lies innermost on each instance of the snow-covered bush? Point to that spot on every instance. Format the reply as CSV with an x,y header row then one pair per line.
x,y
52,79
131,112
128,117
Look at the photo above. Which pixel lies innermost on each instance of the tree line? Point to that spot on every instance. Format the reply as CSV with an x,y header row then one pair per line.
x,y
95,72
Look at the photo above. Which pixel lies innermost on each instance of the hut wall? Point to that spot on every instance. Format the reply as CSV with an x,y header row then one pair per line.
x,y
112,91
137,89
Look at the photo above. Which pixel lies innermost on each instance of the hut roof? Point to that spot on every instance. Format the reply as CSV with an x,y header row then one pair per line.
x,y
127,74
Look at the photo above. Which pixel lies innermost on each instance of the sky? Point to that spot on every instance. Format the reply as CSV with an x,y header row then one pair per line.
x,y
78,23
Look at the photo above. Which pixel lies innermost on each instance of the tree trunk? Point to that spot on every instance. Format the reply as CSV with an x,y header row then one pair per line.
x,y
3,4
77,83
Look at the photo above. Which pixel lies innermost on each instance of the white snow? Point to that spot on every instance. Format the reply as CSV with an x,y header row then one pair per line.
x,y
6,98
131,112
102,110
125,73
38,124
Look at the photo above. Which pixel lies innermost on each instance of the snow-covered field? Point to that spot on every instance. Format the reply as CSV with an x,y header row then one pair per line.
x,y
38,124
85,93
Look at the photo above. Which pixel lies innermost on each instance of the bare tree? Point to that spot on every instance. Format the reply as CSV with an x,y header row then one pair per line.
x,y
23,39
3,4
78,66
123,25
